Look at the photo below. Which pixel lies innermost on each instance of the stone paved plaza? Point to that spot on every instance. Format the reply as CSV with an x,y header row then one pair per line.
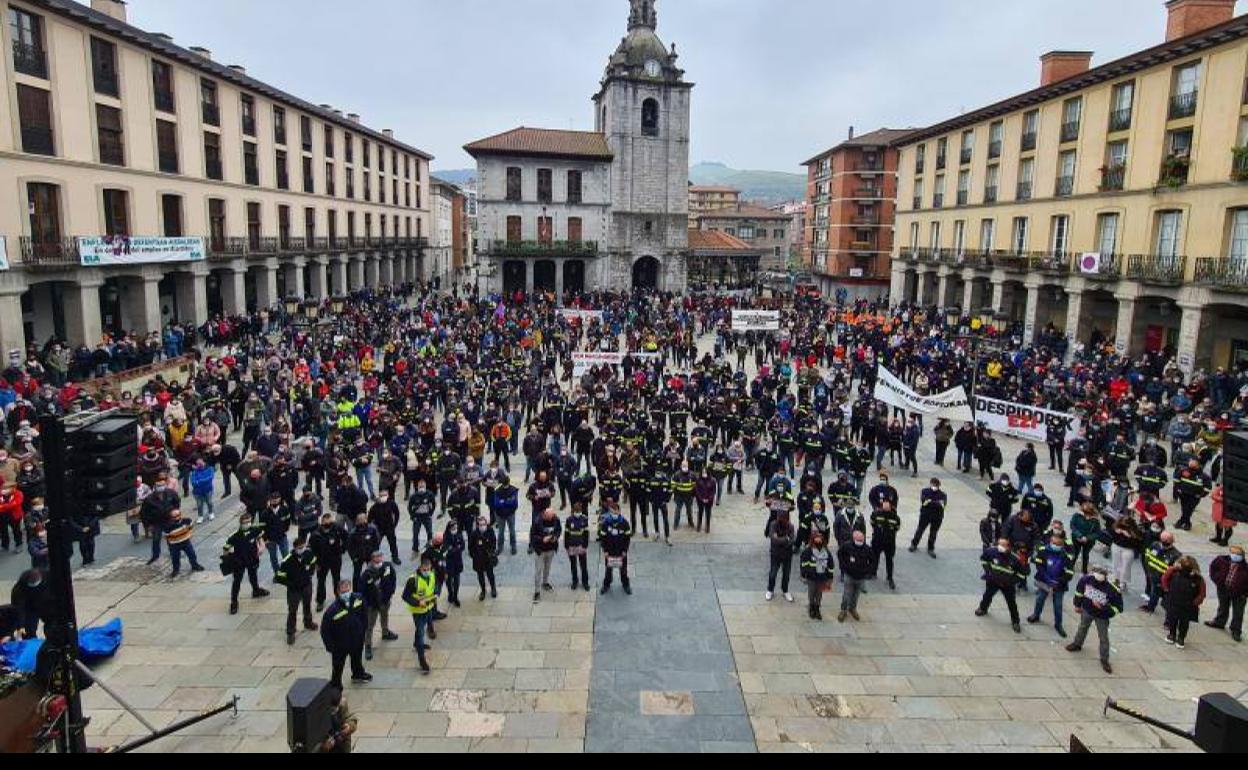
x,y
695,660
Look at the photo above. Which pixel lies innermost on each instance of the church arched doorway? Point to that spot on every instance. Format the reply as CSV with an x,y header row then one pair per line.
x,y
646,273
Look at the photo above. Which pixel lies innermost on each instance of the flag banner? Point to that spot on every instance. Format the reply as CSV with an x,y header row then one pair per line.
x,y
1023,421
952,405
138,250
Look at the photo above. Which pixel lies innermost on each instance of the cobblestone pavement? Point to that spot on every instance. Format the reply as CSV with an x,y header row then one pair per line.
x,y
695,660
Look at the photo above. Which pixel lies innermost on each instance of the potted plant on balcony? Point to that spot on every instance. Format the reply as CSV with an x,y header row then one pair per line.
x,y
1239,166
1112,177
1174,170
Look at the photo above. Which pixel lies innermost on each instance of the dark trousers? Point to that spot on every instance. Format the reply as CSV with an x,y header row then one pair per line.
x,y
636,503
1178,627
486,574
583,560
609,571
782,565
339,662
238,582
86,546
704,510
1187,505
889,550
931,525
452,586
1010,600
392,538
942,447
687,504
1084,550
334,569
1232,608
964,460
294,598
1056,458
6,526
661,509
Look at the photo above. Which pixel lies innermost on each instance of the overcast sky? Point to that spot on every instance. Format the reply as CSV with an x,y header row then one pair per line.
x,y
777,80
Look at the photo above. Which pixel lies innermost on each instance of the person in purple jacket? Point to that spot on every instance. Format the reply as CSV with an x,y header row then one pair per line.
x,y
1097,600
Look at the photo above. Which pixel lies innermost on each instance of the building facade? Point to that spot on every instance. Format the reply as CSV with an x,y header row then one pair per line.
x,y
142,182
1108,202
624,185
704,198
765,231
440,256
851,207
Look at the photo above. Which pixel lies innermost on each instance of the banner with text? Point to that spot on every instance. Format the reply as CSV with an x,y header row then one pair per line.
x,y
583,362
952,405
584,316
756,320
138,250
1023,421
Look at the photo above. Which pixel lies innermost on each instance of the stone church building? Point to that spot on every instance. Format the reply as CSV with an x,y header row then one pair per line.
x,y
566,211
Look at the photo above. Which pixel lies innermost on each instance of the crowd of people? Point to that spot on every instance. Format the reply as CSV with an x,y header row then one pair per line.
x,y
467,413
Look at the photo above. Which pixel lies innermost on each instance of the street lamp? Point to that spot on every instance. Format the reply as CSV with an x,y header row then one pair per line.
x,y
953,317
337,304
311,309
292,306
986,318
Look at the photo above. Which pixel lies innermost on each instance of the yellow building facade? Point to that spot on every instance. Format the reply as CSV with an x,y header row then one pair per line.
x,y
1110,203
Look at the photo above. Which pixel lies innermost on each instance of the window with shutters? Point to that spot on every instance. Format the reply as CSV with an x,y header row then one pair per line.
x,y
514,225
36,119
209,108
574,187
279,125
248,103
162,86
171,214
253,225
251,165
167,146
305,132
545,186
575,234
116,212
108,127
212,155
216,223
104,67
283,170
545,230
26,32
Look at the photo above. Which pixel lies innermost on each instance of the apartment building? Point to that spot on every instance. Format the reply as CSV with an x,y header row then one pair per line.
x,y
143,182
1108,202
704,198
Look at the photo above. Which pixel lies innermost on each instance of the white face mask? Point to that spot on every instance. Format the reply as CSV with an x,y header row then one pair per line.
x,y
1003,549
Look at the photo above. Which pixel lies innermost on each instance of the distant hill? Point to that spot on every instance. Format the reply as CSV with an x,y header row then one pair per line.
x,y
761,186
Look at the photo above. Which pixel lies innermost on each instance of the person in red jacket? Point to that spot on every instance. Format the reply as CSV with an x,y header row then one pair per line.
x,y
1229,575
11,518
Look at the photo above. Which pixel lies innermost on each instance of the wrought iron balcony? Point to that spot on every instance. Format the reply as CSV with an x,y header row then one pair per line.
x,y
1065,186
1023,193
211,114
263,245
918,167
1157,269
1183,105
869,219
1174,170
1120,120
869,192
940,162
1029,141
37,140
49,252
226,248
918,202
1221,273
1070,131
316,244
938,201
1239,164
967,154
1110,270
994,149
963,197
990,194
30,60
545,248
293,245
869,167
1113,178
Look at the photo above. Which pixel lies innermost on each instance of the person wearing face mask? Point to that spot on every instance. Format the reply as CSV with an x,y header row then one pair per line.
x,y
86,529
483,550
1055,567
296,572
1097,601
240,556
276,519
384,514
1085,531
328,543
704,491
817,567
1159,555
420,509
420,596
32,600
1002,573
1002,496
1040,505
856,563
576,545
376,586
781,538
342,632
883,491
454,545
846,523
884,526
11,515
1229,575
932,502
1185,592
544,540
506,502
362,543
683,483
1191,485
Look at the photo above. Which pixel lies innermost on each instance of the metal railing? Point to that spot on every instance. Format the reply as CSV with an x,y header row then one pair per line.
x,y
963,197
38,140
211,114
1023,193
49,252
224,248
267,244
1120,120
1029,141
1113,178
918,167
994,149
164,101
869,192
967,154
870,219
1239,164
1110,269
289,244
544,248
938,200
990,194
1222,273
1157,268
1070,131
1183,105
918,202
869,166
940,162
1065,186
30,60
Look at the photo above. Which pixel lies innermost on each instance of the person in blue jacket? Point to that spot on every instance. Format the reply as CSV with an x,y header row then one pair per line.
x,y
506,502
1055,567
376,585
1098,599
342,632
202,476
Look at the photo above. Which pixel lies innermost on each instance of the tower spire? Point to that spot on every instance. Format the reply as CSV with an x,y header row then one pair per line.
x,y
642,14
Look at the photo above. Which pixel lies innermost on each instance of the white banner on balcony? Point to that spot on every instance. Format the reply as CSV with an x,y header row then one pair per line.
x,y
138,250
4,253
756,320
1090,263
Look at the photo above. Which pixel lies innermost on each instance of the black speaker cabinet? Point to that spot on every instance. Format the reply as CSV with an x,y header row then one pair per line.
x,y
309,707
1222,724
1235,477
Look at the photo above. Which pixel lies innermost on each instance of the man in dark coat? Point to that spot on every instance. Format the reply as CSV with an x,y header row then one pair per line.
x,y
342,632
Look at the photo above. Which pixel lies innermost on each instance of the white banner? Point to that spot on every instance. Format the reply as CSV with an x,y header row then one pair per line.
x,y
585,316
582,362
137,250
756,320
1090,263
1023,421
4,254
952,405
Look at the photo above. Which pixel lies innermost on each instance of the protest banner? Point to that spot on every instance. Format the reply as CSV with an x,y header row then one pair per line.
x,y
952,405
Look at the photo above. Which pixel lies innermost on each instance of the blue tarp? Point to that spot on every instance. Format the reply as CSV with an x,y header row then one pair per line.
x,y
93,644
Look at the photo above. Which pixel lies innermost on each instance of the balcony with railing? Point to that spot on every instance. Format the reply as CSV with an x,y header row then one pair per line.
x,y
263,245
990,194
545,248
1174,171
867,219
940,162
1029,141
291,245
869,192
211,114
1023,193
1164,270
963,197
1070,131
225,248
938,201
966,155
1065,186
1183,105
994,149
1113,178
1221,273
1120,120
37,140
869,166
918,167
56,253
1239,164
917,203
1110,268
30,60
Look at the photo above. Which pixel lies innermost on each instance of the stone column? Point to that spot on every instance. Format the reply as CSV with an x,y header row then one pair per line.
x,y
140,305
942,287
897,288
559,281
968,296
385,271
294,279
266,284
355,274
318,279
12,332
372,272
998,296
234,289
192,293
1033,308
1074,312
528,277
1126,320
337,275
1189,335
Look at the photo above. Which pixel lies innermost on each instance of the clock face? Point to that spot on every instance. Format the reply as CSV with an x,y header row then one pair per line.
x,y
652,68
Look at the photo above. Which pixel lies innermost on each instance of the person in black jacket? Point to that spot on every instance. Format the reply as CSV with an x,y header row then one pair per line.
x,y
453,546
615,535
483,550
932,502
384,515
1002,496
1002,573
296,572
328,543
155,510
276,518
576,545
342,632
817,568
857,564
242,556
544,540
352,501
781,538
226,458
884,526
966,441
32,600
362,543
376,586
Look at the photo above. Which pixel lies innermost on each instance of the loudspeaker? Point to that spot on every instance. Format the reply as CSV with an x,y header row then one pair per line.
x,y
1235,477
103,507
110,434
310,706
1221,725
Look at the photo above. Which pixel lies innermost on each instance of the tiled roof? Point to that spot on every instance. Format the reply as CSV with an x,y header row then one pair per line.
x,y
883,137
707,240
543,142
